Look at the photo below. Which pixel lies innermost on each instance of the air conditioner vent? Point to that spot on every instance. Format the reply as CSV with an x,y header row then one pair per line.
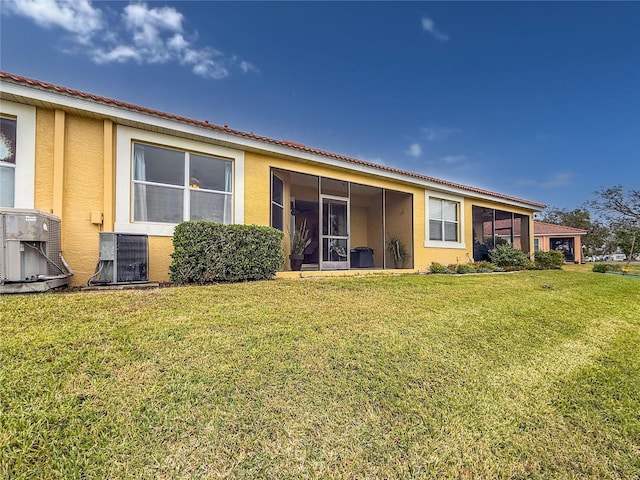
x,y
123,259
30,241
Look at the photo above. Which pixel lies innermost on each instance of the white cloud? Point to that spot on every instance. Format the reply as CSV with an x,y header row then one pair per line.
x,y
428,25
177,42
557,180
560,179
141,34
451,159
120,54
138,15
414,150
78,17
247,67
433,134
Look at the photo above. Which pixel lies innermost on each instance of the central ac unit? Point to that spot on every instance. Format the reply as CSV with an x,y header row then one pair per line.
x,y
30,246
124,258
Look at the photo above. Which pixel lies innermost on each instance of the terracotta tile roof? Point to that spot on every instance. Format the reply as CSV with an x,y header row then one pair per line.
x,y
543,228
287,143
503,227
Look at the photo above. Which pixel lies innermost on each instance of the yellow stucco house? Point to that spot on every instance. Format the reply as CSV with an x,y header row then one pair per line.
x,y
102,165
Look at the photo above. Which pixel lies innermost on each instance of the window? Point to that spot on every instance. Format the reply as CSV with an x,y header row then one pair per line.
x,y
17,155
170,186
8,128
443,220
536,244
174,179
277,203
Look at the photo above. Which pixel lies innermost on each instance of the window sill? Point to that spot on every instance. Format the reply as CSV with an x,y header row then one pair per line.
x,y
438,244
152,229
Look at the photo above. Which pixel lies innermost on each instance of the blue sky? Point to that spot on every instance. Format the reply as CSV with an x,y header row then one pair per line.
x,y
537,100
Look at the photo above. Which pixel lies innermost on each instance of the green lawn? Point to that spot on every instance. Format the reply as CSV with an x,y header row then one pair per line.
x,y
523,375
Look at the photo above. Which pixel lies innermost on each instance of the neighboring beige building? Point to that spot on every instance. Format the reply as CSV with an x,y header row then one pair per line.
x,y
548,236
103,165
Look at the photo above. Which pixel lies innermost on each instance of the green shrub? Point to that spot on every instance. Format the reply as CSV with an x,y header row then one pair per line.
x,y
465,268
509,258
483,264
551,260
606,267
437,268
207,252
452,267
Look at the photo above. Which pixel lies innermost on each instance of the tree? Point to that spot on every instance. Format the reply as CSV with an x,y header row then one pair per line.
x,y
597,233
622,213
627,241
578,218
596,238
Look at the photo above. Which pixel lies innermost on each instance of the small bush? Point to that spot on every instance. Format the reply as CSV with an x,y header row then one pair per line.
x,y
509,258
606,267
452,267
206,252
437,268
483,264
484,270
465,268
551,260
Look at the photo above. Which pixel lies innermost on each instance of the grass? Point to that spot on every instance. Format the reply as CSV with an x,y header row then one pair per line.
x,y
525,375
632,268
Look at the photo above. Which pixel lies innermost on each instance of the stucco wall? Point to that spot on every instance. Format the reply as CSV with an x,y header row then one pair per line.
x,y
86,170
83,193
44,160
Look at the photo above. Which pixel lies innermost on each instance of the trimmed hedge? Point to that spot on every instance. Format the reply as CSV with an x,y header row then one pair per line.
x,y
206,252
551,260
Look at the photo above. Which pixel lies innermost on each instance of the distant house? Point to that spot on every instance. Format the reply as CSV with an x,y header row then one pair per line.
x,y
103,165
548,236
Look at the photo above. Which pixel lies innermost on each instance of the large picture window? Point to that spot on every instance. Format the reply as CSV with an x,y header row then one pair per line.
x,y
443,220
171,185
7,161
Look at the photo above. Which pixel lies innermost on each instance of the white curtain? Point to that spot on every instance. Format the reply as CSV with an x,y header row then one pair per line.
x,y
139,173
7,186
228,187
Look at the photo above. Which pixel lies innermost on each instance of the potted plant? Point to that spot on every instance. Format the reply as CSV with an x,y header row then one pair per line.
x,y
300,241
398,250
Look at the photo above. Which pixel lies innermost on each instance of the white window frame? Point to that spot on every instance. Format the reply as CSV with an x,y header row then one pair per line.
x,y
25,167
460,244
126,137
273,202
